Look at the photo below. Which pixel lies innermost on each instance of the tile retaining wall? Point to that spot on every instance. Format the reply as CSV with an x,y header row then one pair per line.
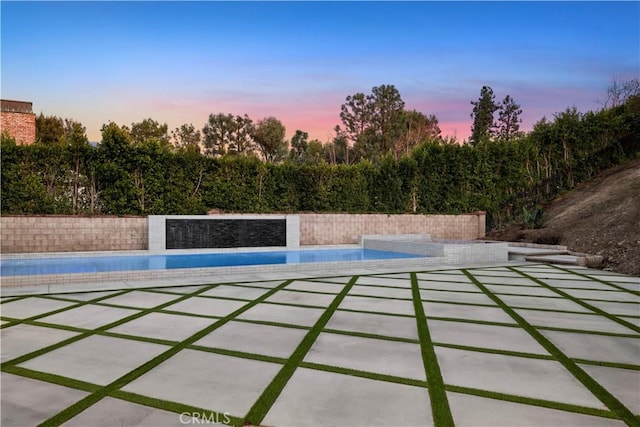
x,y
24,234
32,234
335,229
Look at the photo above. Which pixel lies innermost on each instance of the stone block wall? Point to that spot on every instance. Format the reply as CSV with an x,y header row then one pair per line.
x,y
21,234
21,126
335,229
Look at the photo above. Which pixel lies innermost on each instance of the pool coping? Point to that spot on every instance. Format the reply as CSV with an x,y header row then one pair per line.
x,y
431,253
144,252
11,285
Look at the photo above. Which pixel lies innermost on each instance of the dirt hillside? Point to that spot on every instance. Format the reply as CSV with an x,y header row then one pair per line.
x,y
600,217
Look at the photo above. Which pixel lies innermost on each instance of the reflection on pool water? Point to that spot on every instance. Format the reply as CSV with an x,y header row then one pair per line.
x,y
30,266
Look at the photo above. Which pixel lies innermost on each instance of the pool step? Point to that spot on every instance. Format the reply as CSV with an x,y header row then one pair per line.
x,y
552,254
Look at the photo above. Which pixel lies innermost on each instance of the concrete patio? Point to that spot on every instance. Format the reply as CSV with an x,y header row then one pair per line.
x,y
519,344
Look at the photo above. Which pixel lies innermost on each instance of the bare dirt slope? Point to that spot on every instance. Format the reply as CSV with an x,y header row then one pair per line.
x,y
601,217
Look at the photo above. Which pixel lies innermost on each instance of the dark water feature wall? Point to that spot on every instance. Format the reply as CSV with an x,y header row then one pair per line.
x,y
225,233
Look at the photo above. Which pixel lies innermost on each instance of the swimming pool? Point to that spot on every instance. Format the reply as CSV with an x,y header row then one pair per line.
x,y
47,266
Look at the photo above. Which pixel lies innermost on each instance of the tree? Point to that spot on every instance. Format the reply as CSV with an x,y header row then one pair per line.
x,y
299,145
355,114
49,129
620,91
417,128
387,114
304,151
117,190
338,151
186,135
149,129
225,133
269,137
314,153
217,133
373,122
483,122
241,140
77,143
509,119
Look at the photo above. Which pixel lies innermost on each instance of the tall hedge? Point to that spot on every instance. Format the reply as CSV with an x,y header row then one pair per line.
x,y
120,177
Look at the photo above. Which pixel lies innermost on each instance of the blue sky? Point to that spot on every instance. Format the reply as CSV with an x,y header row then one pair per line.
x,y
177,62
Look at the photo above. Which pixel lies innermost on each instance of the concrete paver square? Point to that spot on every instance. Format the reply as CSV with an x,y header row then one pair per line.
x,y
586,322
596,347
335,279
206,380
622,383
629,286
484,336
468,297
240,292
395,275
304,316
448,286
302,285
507,281
577,283
87,296
316,398
378,291
27,402
302,298
370,323
618,308
551,275
521,290
494,273
617,278
468,312
444,277
255,338
368,354
206,306
378,305
612,295
140,299
96,359
536,269
473,411
172,327
544,303
19,340
382,281
182,289
89,316
631,319
540,379
111,412
29,307
268,284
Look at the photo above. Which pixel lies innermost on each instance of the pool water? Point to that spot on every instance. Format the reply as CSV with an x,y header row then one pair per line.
x,y
34,266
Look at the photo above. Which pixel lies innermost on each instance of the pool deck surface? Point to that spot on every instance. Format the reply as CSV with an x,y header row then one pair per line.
x,y
516,344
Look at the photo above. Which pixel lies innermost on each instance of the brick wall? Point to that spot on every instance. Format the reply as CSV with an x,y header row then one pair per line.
x,y
21,126
334,229
20,234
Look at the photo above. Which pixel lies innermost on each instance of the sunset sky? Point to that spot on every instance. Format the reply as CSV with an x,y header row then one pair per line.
x,y
178,62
